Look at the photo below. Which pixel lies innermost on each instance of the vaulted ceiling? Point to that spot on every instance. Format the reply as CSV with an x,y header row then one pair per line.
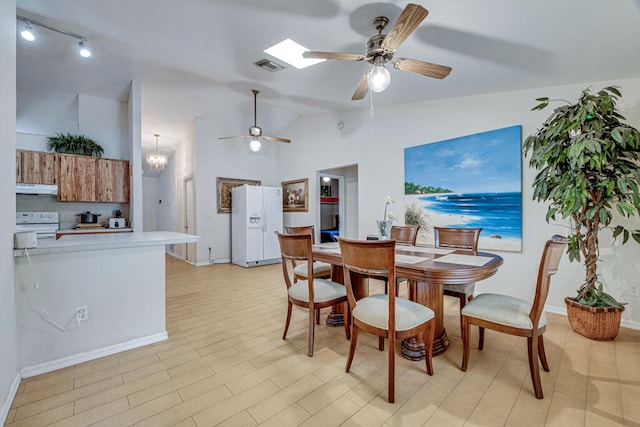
x,y
195,58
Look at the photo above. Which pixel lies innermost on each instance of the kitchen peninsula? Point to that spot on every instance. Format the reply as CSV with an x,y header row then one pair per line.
x,y
119,277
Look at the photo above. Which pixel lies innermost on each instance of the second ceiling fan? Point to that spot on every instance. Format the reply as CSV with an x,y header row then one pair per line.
x,y
380,50
255,131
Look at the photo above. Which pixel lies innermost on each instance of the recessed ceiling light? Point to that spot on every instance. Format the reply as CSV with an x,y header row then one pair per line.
x,y
291,53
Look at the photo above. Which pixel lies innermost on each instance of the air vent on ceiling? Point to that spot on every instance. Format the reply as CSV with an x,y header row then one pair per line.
x,y
268,65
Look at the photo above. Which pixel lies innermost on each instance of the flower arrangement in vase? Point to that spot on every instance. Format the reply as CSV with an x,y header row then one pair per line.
x,y
384,224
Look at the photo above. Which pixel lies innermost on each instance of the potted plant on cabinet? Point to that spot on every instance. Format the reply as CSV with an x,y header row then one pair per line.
x,y
74,144
588,165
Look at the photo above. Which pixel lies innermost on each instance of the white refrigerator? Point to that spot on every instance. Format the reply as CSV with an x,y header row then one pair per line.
x,y
256,214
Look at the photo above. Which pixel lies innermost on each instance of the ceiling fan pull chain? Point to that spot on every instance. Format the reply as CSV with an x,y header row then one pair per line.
x,y
371,114
372,111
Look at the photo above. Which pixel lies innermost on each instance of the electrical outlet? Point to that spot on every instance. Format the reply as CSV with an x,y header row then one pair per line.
x,y
82,313
634,291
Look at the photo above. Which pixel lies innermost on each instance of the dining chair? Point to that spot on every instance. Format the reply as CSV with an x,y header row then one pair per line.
x,y
314,293
515,316
458,238
320,269
383,315
403,235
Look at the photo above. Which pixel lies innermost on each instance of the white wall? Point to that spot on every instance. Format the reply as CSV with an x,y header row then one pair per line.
x,y
377,147
9,376
150,203
229,158
124,290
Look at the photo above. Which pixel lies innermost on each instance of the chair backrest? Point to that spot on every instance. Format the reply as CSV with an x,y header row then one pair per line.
x,y
404,234
457,238
372,258
296,247
303,229
549,262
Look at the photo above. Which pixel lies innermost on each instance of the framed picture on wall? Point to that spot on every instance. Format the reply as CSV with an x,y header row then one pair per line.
x,y
223,188
470,181
295,195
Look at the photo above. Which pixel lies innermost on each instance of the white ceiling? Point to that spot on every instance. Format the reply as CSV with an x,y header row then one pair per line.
x,y
194,58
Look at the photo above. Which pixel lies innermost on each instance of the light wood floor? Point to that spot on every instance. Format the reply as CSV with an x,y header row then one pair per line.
x,y
225,363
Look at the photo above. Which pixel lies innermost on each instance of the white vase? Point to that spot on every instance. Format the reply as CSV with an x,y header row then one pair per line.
x,y
384,228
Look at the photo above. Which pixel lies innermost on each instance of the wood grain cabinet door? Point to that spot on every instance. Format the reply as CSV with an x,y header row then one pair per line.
x,y
112,183
36,167
19,166
77,178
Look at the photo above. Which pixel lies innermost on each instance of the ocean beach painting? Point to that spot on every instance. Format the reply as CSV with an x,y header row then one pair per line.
x,y
470,181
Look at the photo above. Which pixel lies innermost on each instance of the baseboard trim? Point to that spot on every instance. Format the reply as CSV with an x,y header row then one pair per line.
x,y
222,261
75,359
6,406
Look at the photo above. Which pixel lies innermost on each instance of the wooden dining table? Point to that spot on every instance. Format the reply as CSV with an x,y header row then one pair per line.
x,y
427,269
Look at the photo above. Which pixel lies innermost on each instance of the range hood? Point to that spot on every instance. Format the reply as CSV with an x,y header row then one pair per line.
x,y
44,189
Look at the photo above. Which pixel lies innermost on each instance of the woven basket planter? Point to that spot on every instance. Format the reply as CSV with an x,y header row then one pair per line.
x,y
597,323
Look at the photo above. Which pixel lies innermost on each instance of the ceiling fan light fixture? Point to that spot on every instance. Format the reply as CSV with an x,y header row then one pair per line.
x,y
27,32
379,78
255,145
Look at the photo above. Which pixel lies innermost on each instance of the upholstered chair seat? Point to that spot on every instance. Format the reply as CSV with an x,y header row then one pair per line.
x,y
374,311
323,290
504,310
320,269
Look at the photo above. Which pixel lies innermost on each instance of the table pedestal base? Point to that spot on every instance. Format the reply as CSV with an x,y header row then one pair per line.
x,y
413,349
335,319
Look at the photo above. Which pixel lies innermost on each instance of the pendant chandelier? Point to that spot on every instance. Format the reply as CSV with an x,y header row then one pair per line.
x,y
157,161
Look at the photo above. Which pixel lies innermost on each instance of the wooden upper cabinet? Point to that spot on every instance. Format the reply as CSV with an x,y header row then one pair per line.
x,y
77,181
19,166
36,167
112,183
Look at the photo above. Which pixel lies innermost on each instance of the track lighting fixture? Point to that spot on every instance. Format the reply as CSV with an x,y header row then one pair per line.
x,y
27,34
83,50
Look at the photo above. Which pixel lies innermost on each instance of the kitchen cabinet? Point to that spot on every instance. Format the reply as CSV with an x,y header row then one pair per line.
x,y
112,182
36,167
77,178
89,179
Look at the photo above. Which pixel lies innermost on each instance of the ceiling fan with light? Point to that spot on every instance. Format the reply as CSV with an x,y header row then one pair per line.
x,y
380,50
255,131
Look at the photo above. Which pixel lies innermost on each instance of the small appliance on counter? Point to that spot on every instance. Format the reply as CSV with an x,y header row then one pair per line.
x,y
117,221
88,220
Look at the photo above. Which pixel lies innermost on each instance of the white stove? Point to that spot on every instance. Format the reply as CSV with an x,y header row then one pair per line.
x,y
45,224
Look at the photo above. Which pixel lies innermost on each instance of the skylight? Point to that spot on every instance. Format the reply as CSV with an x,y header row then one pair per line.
x,y
291,53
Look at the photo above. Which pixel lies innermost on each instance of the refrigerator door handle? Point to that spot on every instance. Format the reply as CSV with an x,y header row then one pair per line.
x,y
265,220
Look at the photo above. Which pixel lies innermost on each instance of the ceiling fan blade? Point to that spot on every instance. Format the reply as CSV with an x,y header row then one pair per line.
x,y
275,138
362,88
409,19
333,55
234,137
420,67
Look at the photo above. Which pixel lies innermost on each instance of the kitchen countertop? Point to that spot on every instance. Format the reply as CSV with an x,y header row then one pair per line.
x,y
61,233
97,241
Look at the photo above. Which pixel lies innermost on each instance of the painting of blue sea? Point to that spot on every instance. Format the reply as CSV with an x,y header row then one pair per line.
x,y
470,181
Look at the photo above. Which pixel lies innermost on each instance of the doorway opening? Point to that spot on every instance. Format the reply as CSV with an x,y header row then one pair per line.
x,y
337,201
189,218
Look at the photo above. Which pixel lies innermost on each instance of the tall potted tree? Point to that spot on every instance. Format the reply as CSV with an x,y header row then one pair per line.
x,y
588,165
